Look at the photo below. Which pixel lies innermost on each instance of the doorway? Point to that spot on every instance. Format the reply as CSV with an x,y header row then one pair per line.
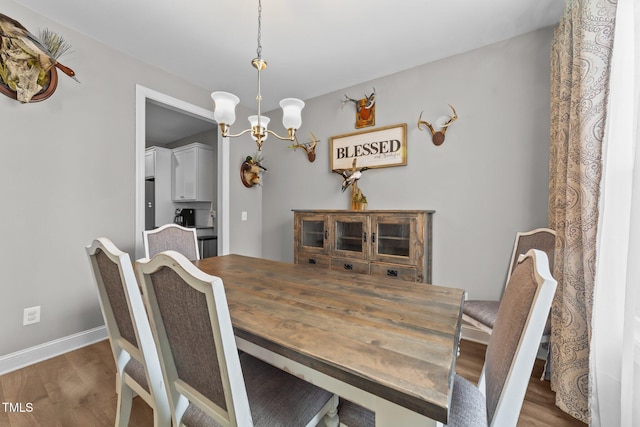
x,y
144,98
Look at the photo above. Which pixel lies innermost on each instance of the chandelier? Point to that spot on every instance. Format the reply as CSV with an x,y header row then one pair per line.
x,y
225,105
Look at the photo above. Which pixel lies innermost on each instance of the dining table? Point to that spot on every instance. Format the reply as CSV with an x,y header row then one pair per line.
x,y
386,344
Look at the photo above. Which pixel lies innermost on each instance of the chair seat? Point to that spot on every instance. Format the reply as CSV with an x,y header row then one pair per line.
x,y
484,312
468,408
353,415
135,370
468,405
271,392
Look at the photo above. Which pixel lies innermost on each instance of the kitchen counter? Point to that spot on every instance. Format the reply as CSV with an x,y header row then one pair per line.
x,y
210,237
207,242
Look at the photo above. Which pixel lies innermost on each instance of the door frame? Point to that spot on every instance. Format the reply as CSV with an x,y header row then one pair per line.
x,y
143,95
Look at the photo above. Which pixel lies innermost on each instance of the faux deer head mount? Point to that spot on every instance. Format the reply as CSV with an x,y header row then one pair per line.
x,y
443,122
308,147
365,109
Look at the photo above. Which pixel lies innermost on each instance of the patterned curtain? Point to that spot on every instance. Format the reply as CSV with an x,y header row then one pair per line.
x,y
580,62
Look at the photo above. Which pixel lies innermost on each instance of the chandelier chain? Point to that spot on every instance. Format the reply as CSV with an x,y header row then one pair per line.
x,y
259,50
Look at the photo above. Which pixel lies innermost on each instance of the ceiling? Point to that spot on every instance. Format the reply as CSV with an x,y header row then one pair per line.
x,y
312,47
165,125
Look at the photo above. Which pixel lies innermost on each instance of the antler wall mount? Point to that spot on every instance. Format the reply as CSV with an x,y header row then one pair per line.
x,y
308,147
365,109
443,122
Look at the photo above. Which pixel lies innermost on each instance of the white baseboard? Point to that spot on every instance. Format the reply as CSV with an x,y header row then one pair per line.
x,y
29,356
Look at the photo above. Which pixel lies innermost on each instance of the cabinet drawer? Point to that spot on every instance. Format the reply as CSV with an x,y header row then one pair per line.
x,y
313,260
394,271
350,265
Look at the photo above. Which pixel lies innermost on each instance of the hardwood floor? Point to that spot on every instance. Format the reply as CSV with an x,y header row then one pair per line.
x,y
74,389
78,389
538,409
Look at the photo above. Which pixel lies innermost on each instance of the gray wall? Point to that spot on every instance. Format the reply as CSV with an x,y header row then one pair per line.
x,y
67,176
486,182
246,236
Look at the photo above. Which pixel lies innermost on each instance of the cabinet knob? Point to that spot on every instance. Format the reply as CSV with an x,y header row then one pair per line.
x,y
326,234
348,266
392,273
373,237
312,261
364,237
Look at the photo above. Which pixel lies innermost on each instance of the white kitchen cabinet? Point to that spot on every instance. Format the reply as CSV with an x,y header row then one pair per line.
x,y
193,173
150,163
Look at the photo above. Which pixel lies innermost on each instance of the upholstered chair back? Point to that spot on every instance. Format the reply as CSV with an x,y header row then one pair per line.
x,y
172,237
543,239
187,327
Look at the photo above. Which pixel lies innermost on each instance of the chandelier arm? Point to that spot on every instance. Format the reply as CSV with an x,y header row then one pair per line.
x,y
291,137
228,135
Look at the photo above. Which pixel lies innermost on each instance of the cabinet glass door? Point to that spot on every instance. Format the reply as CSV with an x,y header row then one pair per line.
x,y
350,236
393,239
313,234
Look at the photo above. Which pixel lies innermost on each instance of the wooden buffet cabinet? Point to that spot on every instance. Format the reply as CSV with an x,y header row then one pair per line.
x,y
391,243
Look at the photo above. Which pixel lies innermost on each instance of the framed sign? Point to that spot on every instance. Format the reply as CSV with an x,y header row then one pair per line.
x,y
375,148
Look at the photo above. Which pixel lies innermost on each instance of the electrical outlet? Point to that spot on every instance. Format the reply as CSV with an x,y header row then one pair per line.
x,y
31,315
244,215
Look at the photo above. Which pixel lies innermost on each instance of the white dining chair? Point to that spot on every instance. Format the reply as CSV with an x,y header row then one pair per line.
x,y
483,313
207,381
497,398
134,352
172,237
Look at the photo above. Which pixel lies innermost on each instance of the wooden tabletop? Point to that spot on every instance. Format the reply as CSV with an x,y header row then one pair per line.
x,y
395,339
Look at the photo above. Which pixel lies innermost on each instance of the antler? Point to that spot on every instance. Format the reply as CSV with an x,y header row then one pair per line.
x,y
451,120
347,99
370,100
427,124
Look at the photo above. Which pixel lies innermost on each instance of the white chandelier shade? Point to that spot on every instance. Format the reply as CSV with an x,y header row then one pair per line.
x,y
259,127
292,113
225,107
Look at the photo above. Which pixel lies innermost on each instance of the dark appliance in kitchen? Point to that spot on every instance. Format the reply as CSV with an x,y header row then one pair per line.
x,y
185,217
149,204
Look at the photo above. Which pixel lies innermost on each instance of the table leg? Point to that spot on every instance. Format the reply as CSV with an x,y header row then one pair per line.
x,y
331,418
